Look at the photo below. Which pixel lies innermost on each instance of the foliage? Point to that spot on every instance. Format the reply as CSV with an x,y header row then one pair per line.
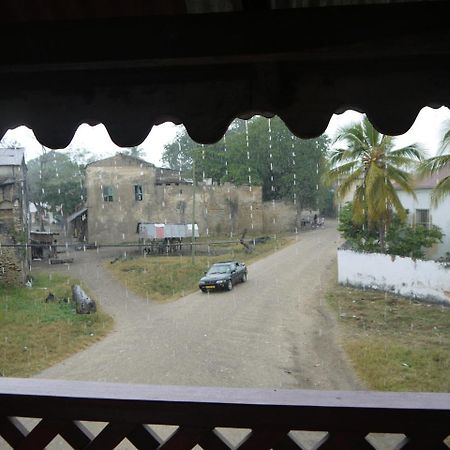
x,y
437,163
406,240
402,239
360,237
394,344
56,181
287,167
370,164
136,151
35,335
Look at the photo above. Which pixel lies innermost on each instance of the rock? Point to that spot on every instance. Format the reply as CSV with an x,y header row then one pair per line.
x,y
83,303
50,298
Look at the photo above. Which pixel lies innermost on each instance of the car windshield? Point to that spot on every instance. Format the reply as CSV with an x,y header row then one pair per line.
x,y
224,268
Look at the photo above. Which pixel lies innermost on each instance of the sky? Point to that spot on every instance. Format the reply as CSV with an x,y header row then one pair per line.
x,y
427,130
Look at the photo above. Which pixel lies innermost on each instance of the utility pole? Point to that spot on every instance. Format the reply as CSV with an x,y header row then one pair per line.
x,y
193,211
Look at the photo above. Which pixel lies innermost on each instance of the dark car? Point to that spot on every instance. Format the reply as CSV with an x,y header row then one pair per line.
x,y
223,275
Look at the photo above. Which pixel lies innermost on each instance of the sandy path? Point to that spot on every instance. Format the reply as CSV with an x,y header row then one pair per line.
x,y
273,331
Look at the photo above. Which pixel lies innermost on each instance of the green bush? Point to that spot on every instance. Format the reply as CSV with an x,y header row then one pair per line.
x,y
402,239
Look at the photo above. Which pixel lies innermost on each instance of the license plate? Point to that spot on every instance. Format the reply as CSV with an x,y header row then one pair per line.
x,y
210,287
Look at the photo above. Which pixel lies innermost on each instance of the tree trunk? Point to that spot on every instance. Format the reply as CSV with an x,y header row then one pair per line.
x,y
382,232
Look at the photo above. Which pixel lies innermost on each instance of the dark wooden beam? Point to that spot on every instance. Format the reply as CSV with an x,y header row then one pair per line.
x,y
334,33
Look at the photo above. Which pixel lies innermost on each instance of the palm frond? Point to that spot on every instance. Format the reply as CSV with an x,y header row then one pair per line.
x,y
414,152
446,138
346,185
373,136
434,164
402,178
440,191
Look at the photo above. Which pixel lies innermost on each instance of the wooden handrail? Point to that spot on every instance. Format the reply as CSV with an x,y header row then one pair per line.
x,y
356,413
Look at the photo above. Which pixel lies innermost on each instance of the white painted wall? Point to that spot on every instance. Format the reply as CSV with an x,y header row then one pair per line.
x,y
427,280
440,216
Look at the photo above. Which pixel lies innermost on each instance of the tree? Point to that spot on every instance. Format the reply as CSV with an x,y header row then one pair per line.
x,y
287,167
370,164
55,182
437,163
136,151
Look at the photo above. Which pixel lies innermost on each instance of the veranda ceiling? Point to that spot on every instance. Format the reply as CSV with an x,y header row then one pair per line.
x,y
134,64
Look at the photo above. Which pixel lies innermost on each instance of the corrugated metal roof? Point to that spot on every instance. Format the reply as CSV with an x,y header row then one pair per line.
x,y
11,156
76,214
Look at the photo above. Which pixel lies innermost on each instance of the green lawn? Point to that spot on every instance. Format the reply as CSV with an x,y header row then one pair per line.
x,y
394,344
35,334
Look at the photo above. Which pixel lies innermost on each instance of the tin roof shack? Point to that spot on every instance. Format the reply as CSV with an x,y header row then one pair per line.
x,y
13,215
43,245
77,225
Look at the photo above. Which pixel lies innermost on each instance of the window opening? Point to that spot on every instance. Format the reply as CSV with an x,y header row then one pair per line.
x,y
138,193
108,194
423,217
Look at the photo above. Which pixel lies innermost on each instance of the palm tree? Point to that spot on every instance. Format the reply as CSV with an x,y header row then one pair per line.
x,y
369,164
437,163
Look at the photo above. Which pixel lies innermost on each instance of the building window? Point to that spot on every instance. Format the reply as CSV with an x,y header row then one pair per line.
x,y
108,194
138,196
423,217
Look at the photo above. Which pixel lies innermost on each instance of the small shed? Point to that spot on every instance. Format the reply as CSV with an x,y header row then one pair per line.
x,y
43,244
77,225
166,230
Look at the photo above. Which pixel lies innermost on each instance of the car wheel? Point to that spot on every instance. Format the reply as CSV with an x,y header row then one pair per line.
x,y
244,277
229,285
204,291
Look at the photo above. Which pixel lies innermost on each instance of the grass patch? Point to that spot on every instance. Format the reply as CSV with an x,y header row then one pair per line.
x,y
395,344
170,277
35,335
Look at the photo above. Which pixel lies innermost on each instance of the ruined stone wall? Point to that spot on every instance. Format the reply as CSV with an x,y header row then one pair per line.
x,y
12,270
13,226
279,216
219,210
116,221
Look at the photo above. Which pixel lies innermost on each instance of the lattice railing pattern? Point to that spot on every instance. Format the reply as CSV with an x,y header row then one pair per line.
x,y
272,417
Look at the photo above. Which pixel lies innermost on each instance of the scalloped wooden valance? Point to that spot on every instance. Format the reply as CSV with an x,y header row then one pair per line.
x,y
203,70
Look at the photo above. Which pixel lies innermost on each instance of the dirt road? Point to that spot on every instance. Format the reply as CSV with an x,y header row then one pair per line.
x,y
273,331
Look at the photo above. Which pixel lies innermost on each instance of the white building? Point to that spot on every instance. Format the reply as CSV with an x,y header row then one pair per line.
x,y
421,211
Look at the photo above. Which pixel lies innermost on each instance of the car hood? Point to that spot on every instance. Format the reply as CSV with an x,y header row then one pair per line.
x,y
214,277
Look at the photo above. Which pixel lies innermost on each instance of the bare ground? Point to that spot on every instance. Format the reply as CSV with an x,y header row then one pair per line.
x,y
273,331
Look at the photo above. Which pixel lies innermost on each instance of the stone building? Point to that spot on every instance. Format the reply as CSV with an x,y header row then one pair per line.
x,y
13,215
123,191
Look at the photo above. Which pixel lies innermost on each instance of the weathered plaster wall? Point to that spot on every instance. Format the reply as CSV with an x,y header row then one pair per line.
x,y
439,215
427,280
224,209
279,216
116,221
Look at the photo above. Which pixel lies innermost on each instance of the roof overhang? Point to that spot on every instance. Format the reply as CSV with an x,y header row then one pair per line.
x,y
204,70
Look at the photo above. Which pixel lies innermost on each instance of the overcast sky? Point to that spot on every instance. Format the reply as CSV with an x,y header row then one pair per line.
x,y
426,130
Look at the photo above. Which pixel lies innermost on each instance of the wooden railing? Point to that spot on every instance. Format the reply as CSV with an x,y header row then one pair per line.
x,y
271,416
